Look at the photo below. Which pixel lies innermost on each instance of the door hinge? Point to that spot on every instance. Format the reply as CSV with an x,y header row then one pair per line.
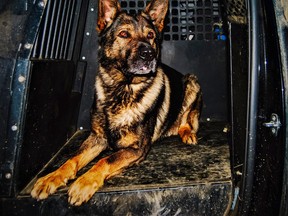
x,y
274,124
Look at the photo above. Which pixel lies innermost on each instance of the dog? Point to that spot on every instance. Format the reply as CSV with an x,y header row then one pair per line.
x,y
138,101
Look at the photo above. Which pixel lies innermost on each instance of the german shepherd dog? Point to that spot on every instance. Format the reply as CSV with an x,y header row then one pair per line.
x,y
138,101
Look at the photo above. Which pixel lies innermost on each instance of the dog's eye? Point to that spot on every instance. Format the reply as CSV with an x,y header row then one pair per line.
x,y
150,35
124,34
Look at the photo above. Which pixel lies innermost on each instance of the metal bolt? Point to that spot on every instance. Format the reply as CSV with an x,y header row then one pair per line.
x,y
41,4
21,79
83,57
87,33
28,46
81,128
8,175
92,9
14,128
208,119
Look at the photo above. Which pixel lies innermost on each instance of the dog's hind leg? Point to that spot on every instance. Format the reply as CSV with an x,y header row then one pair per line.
x,y
191,110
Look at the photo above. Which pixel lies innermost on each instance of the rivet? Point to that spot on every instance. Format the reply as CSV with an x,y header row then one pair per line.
x,y
92,9
14,128
41,4
21,79
28,46
83,57
81,128
87,33
8,175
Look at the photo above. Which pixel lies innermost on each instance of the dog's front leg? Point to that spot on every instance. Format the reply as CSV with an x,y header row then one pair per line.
x,y
50,183
87,184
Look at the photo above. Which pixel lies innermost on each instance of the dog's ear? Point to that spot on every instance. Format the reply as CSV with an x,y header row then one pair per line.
x,y
157,10
107,11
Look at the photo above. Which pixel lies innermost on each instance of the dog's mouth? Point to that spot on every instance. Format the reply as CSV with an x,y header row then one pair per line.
x,y
141,67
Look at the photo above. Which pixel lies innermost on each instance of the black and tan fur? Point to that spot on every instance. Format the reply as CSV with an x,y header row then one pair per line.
x,y
138,101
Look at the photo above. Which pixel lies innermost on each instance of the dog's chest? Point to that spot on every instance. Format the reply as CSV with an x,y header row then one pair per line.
x,y
126,110
127,105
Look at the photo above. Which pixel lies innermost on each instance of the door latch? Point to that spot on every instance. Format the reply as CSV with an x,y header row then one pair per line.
x,y
274,124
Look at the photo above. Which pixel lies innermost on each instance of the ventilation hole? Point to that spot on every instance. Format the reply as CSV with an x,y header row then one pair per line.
x,y
200,12
208,28
200,37
200,19
175,29
174,12
123,4
207,3
191,4
167,28
175,37
208,36
199,28
191,12
183,29
174,3
183,37
132,4
183,12
183,21
215,12
175,20
167,37
191,28
132,12
208,12
191,20
199,3
208,20
141,4
215,19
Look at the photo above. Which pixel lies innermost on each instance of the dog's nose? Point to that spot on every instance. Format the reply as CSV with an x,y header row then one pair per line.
x,y
146,53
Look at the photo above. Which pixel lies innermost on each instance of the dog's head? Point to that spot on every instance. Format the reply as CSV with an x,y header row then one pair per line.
x,y
130,43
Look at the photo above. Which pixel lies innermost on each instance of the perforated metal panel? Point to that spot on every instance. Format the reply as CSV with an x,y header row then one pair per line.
x,y
236,11
186,20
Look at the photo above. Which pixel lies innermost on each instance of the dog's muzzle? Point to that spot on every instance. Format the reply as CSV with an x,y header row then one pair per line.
x,y
144,62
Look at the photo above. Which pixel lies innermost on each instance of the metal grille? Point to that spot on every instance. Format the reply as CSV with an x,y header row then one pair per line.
x,y
187,19
54,35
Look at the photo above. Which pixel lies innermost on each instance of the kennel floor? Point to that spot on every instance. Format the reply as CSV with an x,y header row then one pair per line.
x,y
175,179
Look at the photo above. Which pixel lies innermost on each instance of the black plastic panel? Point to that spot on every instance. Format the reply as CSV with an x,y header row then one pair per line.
x,y
207,60
48,116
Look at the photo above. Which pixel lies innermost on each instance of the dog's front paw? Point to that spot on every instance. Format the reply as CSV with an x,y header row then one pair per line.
x,y
83,188
187,135
190,139
48,185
